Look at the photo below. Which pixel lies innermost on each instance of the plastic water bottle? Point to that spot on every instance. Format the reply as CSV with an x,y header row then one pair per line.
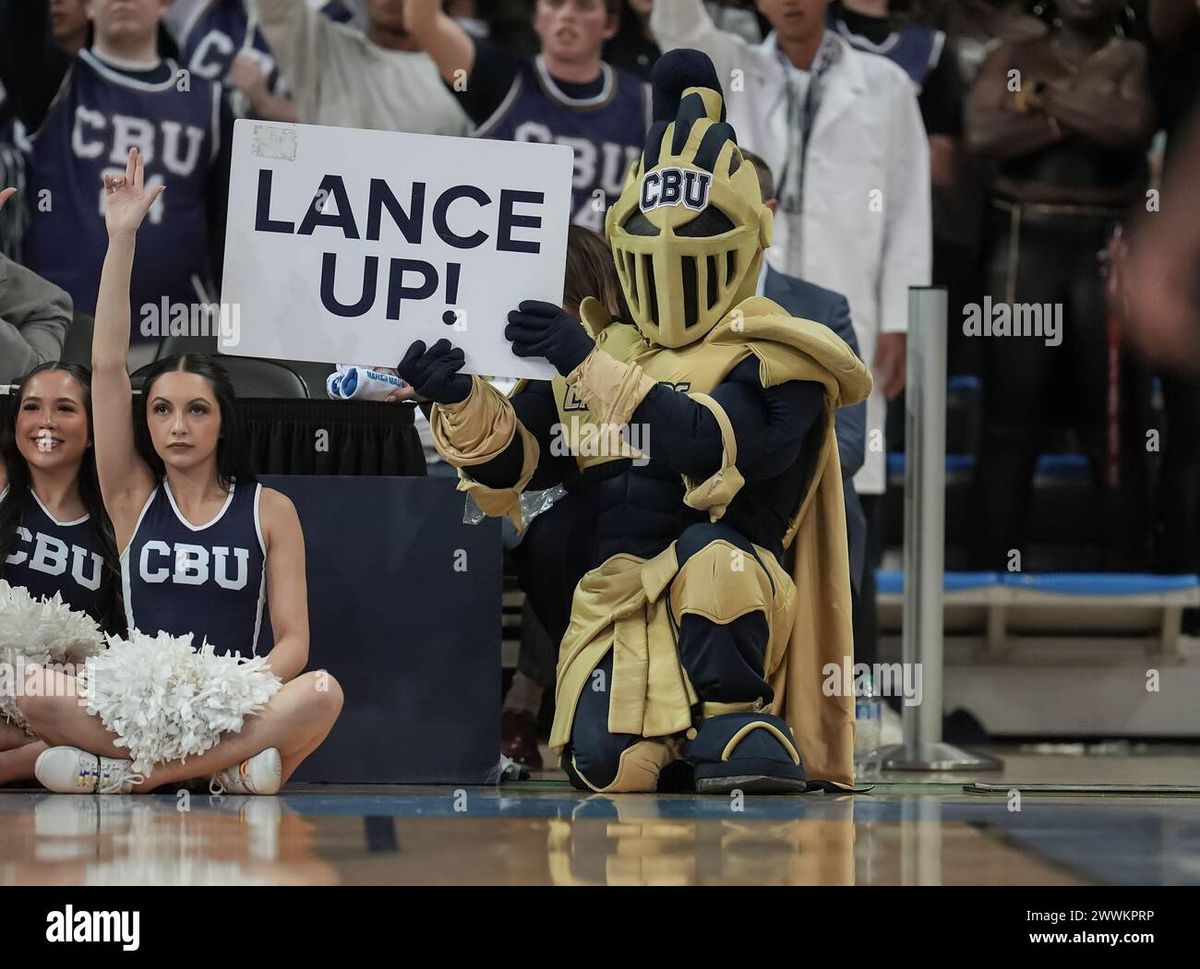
x,y
868,716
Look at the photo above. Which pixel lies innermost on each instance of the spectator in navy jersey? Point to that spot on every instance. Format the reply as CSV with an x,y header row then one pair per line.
x,y
566,94
117,94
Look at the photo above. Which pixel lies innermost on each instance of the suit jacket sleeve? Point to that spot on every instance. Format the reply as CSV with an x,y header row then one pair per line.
x,y
34,316
850,422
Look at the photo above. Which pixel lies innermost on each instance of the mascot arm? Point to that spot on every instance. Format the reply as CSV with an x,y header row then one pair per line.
x,y
498,444
768,425
536,412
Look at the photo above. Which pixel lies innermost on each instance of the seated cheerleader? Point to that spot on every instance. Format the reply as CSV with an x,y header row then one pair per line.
x,y
201,546
54,534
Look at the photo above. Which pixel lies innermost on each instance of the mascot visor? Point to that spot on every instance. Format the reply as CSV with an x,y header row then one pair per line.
x,y
683,267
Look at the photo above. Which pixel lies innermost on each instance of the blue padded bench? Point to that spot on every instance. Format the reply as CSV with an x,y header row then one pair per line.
x,y
1053,605
1053,467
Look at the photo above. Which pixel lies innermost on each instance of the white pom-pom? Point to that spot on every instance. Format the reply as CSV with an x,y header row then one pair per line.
x,y
166,701
45,629
39,631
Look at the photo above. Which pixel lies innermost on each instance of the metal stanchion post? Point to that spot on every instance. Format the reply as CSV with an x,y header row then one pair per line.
x,y
924,538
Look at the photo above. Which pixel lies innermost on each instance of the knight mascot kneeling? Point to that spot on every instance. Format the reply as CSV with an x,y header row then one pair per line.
x,y
696,572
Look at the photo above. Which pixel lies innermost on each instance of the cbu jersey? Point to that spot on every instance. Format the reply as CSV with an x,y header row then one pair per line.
x,y
209,580
606,132
215,35
96,117
64,557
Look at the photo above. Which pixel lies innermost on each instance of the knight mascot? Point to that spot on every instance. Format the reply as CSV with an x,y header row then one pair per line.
x,y
696,572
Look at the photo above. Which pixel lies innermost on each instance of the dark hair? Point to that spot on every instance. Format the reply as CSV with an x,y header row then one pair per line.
x,y
766,181
20,489
591,272
233,456
612,8
510,25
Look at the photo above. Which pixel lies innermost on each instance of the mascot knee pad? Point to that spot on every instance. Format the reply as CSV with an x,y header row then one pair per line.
x,y
753,752
720,583
637,768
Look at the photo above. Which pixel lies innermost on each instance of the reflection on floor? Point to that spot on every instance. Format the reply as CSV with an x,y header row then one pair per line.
x,y
912,830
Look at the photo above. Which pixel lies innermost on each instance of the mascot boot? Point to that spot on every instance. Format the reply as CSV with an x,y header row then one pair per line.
x,y
750,752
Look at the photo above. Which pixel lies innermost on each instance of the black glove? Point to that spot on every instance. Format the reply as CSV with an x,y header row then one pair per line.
x,y
434,373
539,329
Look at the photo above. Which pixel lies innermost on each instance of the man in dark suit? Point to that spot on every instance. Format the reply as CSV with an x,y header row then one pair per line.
x,y
811,302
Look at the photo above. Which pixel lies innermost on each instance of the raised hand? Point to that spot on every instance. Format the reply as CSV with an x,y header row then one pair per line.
x,y
246,75
6,194
434,372
539,329
125,200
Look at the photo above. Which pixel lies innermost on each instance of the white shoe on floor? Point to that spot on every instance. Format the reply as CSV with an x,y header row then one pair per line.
x,y
69,770
260,774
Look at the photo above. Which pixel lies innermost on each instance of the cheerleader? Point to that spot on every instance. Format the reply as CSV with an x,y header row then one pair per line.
x,y
203,548
55,537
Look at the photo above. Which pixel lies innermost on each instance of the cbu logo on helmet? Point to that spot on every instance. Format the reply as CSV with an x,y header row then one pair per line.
x,y
675,186
688,230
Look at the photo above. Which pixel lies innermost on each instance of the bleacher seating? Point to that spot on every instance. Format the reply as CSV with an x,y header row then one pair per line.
x,y
1067,521
998,610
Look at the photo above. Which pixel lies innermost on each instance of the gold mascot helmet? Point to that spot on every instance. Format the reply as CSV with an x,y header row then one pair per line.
x,y
688,228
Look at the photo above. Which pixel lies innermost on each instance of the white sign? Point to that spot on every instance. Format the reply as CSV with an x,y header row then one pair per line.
x,y
345,245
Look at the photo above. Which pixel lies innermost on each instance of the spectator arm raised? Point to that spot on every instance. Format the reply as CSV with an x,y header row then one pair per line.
x,y
294,31
686,23
451,47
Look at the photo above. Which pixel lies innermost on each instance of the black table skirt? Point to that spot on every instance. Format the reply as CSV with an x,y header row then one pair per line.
x,y
332,437
323,436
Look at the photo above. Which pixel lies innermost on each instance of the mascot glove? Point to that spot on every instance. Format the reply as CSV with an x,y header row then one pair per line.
x,y
434,372
539,329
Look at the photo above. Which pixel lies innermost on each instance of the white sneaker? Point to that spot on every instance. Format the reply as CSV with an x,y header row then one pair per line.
x,y
69,770
260,774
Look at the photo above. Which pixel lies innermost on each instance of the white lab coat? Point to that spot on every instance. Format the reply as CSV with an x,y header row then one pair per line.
x,y
866,223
